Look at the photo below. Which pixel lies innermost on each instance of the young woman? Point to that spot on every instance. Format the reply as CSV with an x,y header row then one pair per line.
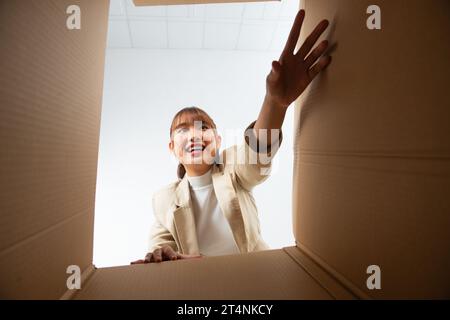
x,y
210,210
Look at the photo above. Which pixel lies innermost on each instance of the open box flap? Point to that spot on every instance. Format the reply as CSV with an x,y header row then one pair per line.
x,y
271,274
372,154
51,92
179,2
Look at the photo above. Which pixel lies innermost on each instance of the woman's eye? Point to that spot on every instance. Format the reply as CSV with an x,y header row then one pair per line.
x,y
181,130
205,128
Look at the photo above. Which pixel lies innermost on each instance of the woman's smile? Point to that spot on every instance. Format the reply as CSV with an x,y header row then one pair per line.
x,y
195,149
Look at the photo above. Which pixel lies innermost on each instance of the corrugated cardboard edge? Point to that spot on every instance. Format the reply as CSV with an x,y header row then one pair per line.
x,y
267,275
86,275
178,2
335,286
326,276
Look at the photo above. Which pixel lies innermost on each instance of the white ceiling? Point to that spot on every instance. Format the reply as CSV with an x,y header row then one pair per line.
x,y
255,26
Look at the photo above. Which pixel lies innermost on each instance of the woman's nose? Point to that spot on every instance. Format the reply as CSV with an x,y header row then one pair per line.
x,y
195,134
196,138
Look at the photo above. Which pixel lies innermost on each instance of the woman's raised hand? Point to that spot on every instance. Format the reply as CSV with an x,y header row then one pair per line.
x,y
165,253
292,74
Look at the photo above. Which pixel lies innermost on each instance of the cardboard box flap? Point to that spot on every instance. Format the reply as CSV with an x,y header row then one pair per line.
x,y
372,154
51,89
272,274
339,288
179,2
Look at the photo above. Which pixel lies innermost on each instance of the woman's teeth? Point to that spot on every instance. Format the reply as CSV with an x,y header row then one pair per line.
x,y
196,148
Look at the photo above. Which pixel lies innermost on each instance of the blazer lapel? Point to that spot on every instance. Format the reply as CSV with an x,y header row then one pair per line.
x,y
229,203
184,219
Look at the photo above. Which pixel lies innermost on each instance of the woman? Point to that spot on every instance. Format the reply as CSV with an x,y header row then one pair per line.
x,y
210,210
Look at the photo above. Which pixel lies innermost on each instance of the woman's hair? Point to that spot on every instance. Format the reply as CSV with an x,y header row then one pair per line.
x,y
192,114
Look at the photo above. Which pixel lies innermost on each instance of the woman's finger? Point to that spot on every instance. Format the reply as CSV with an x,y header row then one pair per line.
x,y
148,257
138,262
293,35
276,67
318,67
311,40
169,253
316,53
275,73
156,256
188,256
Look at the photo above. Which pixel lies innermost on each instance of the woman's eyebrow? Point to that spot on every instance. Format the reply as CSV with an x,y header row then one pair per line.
x,y
183,124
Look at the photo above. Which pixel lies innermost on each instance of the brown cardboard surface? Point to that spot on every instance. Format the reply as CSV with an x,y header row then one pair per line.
x,y
36,268
372,154
50,97
178,2
269,274
85,277
333,286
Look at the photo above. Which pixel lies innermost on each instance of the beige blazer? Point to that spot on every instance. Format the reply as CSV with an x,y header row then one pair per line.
x,y
233,180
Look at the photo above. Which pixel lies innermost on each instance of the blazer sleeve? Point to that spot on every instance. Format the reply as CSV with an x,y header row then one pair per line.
x,y
159,235
252,162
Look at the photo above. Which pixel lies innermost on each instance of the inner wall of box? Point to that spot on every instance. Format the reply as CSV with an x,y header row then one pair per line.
x,y
51,95
372,154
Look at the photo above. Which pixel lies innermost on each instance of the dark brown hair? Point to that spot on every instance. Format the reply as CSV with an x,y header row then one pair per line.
x,y
193,114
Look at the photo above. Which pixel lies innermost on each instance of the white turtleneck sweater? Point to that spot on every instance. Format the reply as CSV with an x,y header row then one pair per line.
x,y
214,234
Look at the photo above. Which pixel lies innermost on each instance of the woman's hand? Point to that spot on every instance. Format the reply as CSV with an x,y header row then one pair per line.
x,y
292,74
165,253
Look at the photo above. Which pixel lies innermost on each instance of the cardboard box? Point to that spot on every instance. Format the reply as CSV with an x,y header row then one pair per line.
x,y
372,163
178,2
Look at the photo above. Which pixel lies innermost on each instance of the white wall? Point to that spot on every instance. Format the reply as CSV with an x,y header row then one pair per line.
x,y
143,90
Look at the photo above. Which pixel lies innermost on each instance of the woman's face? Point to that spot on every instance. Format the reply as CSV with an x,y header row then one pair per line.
x,y
194,142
